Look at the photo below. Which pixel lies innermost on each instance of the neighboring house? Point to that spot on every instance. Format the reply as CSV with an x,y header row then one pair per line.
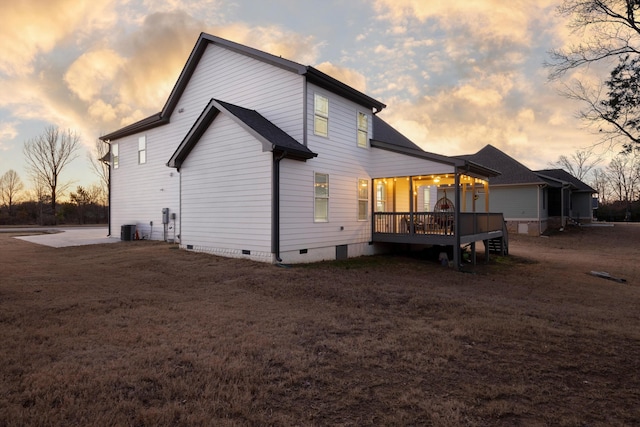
x,y
259,157
531,201
569,198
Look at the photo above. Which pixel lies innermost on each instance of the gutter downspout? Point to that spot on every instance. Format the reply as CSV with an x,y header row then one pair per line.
x,y
109,193
541,188
562,208
275,206
109,202
305,94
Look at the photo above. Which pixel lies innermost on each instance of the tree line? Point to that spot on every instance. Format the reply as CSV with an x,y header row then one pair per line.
x,y
47,156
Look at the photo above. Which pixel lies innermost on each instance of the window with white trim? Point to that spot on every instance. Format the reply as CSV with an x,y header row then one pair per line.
x,y
142,150
321,115
363,199
363,130
321,201
115,158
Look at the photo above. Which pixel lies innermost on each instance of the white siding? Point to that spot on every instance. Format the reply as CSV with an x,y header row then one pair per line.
x,y
387,164
139,192
345,163
226,193
222,74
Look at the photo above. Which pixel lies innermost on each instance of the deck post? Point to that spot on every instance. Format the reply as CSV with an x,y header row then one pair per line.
x,y
456,220
411,225
473,253
486,251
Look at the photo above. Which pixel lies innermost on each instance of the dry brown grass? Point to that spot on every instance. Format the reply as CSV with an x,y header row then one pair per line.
x,y
139,333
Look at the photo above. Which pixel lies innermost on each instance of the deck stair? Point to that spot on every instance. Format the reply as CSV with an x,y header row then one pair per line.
x,y
499,245
495,246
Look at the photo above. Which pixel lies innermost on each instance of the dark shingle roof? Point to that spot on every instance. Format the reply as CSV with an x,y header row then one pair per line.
x,y
266,132
512,171
563,175
387,138
384,132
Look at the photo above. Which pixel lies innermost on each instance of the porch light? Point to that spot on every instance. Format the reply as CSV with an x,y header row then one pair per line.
x,y
436,180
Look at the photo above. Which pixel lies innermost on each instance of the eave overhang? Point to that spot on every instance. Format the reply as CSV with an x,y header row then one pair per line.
x,y
459,164
269,135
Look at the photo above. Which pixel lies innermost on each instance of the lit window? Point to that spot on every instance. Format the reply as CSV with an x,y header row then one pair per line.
x,y
363,130
363,199
142,150
426,198
381,196
114,155
321,192
321,115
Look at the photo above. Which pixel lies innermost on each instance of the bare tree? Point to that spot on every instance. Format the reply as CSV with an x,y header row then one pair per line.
x,y
10,187
609,31
578,164
98,157
624,175
47,155
601,184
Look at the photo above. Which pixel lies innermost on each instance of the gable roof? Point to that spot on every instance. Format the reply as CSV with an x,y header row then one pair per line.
x,y
271,136
562,175
512,171
388,138
312,75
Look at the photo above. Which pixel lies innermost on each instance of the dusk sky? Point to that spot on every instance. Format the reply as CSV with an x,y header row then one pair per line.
x,y
455,75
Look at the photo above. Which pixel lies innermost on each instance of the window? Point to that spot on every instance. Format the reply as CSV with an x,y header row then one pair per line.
x,y
321,115
321,191
363,130
426,198
381,196
363,199
114,156
142,150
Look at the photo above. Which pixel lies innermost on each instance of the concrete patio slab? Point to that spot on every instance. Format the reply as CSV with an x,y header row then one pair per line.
x,y
60,237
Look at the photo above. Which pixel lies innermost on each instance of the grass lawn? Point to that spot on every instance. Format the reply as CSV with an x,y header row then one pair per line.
x,y
143,334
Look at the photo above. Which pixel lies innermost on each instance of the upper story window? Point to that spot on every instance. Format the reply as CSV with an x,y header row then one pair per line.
x,y
321,115
363,130
321,201
115,158
142,150
363,199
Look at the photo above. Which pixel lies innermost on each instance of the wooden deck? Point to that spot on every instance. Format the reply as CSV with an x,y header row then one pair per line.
x,y
432,228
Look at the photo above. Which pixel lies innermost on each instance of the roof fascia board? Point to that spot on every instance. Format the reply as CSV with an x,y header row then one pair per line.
x,y
203,122
550,178
459,164
266,144
325,81
139,126
193,136
419,154
520,184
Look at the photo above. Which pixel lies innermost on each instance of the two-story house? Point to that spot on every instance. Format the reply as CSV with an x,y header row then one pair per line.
x,y
260,157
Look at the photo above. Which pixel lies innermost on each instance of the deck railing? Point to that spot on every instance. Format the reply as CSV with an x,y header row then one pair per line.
x,y
436,223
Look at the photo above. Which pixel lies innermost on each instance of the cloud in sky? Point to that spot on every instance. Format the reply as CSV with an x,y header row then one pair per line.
x,y
483,79
455,75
